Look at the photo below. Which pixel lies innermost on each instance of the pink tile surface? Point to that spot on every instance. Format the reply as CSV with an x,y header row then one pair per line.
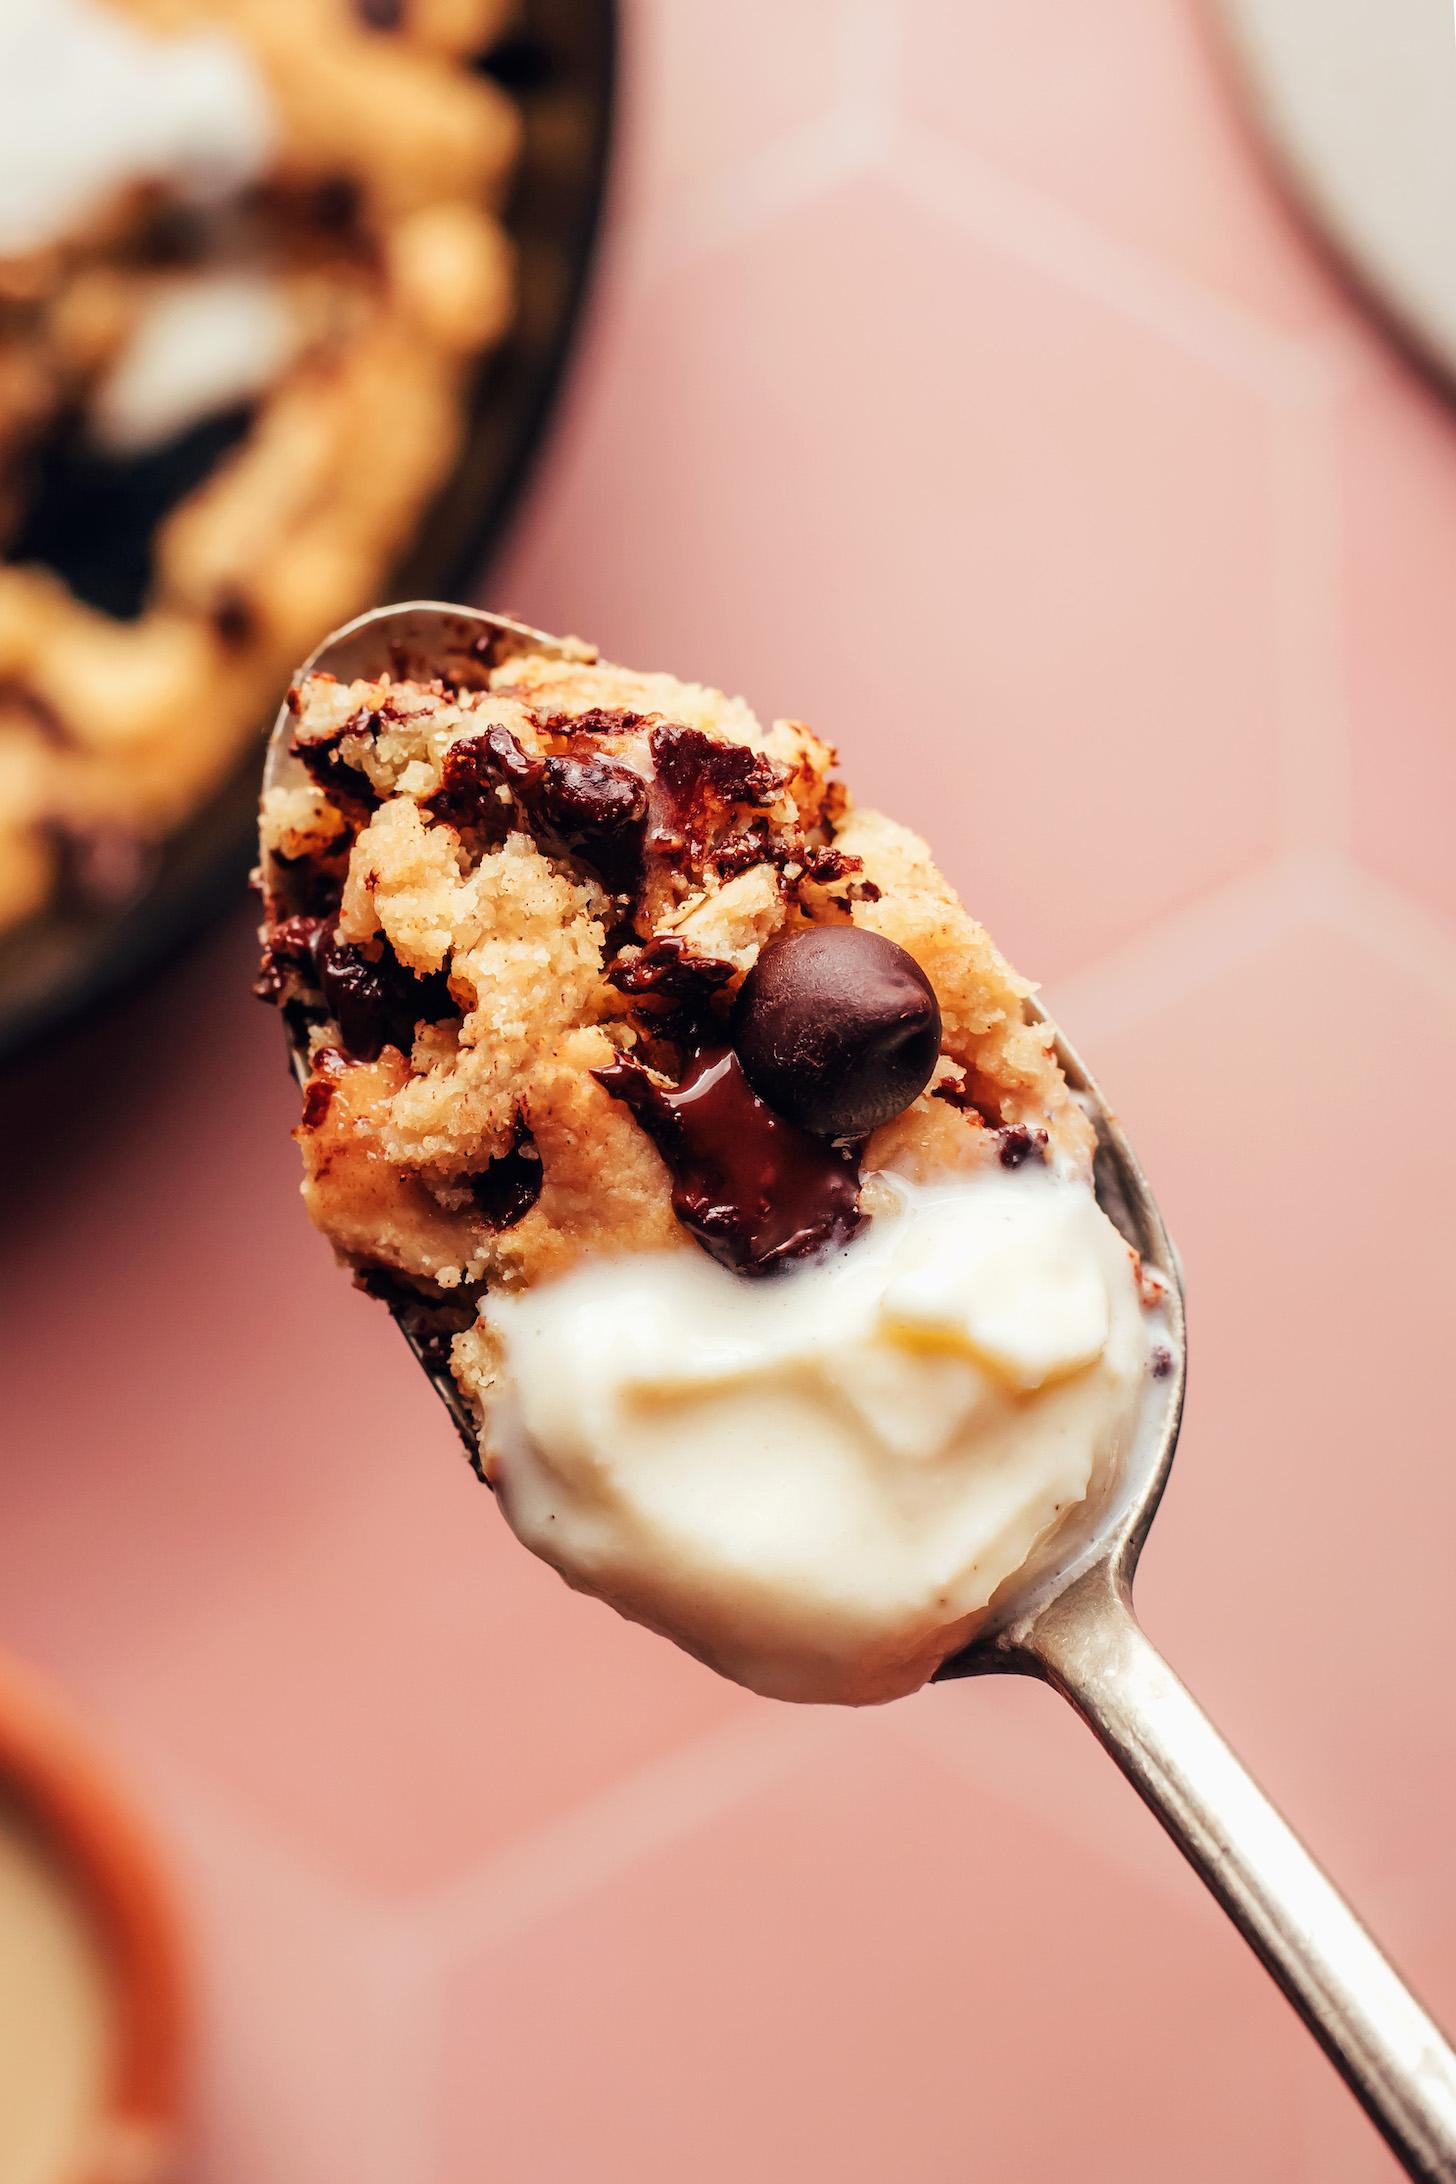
x,y
955,383
702,104
745,1999
321,1599
1319,1297
1399,568
971,556
1117,115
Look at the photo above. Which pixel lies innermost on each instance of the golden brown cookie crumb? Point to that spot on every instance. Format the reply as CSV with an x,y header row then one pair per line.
x,y
550,881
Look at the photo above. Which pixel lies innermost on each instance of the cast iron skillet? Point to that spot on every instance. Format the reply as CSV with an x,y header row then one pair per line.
x,y
560,66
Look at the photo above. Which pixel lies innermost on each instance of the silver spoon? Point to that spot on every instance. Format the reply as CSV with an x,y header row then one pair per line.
x,y
1075,1628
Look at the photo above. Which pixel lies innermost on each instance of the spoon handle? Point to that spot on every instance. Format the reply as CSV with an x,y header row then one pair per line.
x,y
1089,1645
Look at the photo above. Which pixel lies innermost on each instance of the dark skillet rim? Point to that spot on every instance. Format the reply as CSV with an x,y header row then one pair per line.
x,y
99,960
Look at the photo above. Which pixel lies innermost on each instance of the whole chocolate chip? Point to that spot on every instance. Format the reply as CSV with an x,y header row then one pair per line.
x,y
837,1028
595,805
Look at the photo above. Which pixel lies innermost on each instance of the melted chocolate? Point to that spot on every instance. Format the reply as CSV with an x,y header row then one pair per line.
x,y
474,768
310,884
322,759
233,616
597,720
1019,1144
755,1191
291,951
697,782
957,1093
605,813
758,844
598,808
374,1003
751,845
591,806
682,984
318,1093
505,1192
337,204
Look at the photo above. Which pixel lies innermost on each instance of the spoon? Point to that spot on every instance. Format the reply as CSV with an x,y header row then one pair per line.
x,y
1074,1627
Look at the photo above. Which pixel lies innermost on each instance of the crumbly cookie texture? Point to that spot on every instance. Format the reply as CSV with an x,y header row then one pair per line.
x,y
500,908
370,246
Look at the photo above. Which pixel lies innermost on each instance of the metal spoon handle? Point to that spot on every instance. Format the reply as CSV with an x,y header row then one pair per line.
x,y
1394,2058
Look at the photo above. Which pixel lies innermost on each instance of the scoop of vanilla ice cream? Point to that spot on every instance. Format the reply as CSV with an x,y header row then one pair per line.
x,y
817,1482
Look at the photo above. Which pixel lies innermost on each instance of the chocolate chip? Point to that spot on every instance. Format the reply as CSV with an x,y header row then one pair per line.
x,y
756,1191
322,758
318,1094
837,1028
581,802
337,204
506,1190
957,1093
597,807
233,616
698,782
597,720
679,994
376,1002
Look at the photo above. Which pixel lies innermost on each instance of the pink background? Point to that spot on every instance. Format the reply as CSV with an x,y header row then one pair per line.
x,y
958,383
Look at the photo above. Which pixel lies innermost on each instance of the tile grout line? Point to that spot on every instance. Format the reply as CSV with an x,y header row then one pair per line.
x,y
660,1804
201,1824
408,2030
870,44
1366,907
919,1724
1313,710
797,167
650,1806
794,170
209,1815
407,1942
1190,947
1039,232
856,135
1193,945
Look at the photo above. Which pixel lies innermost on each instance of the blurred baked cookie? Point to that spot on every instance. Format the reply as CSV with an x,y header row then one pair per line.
x,y
250,256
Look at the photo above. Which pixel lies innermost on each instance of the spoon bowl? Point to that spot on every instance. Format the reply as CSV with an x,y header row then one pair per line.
x,y
1109,1538
1069,1623
416,641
